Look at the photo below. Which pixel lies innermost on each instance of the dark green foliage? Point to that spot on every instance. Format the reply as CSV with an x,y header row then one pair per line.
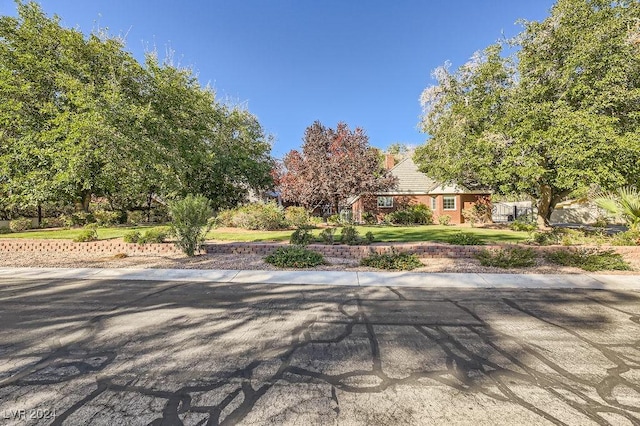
x,y
90,233
368,218
513,257
106,218
394,261
131,237
589,259
328,235
369,238
416,214
301,236
190,222
465,239
294,257
350,235
5,230
20,224
334,219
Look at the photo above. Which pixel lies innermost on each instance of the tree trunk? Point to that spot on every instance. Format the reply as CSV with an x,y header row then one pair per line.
x,y
336,205
544,206
86,200
39,215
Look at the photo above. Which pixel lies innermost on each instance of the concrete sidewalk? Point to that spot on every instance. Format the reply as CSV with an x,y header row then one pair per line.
x,y
337,278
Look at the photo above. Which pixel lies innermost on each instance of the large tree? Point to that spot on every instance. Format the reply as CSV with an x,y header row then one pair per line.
x,y
333,166
81,117
562,114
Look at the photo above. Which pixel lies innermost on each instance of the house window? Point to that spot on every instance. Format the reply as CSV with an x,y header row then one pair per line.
x,y
449,203
385,202
434,204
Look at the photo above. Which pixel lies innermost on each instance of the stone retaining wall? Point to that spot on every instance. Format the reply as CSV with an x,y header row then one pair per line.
x,y
112,247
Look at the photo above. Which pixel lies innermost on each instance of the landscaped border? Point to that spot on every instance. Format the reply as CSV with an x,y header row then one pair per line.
x,y
425,250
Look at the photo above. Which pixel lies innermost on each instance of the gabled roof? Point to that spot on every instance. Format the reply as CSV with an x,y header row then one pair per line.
x,y
410,179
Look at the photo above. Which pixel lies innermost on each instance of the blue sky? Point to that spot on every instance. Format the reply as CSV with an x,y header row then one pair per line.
x,y
293,62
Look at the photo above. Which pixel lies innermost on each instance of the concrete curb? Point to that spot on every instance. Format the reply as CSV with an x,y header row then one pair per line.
x,y
357,279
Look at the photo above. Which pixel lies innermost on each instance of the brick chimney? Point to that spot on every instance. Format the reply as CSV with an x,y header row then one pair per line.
x,y
389,161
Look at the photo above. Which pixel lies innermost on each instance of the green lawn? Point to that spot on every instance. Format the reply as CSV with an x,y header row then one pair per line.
x,y
69,234
437,233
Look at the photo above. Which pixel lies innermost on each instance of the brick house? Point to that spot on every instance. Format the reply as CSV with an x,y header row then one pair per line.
x,y
414,187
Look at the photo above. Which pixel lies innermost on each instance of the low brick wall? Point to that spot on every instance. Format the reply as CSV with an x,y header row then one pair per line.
x,y
112,247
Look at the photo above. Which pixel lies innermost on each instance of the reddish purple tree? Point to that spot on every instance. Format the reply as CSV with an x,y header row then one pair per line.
x,y
333,166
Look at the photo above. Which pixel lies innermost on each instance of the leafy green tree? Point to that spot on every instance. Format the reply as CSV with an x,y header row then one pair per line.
x,y
561,115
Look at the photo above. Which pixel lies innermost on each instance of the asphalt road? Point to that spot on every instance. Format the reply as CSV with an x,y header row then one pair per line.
x,y
141,352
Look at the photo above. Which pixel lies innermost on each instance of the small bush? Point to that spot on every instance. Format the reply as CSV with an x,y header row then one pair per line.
x,y
369,238
394,261
368,218
135,217
479,212
334,219
81,218
417,214
262,216
523,225
153,236
514,257
5,230
20,224
465,239
53,222
294,257
301,236
589,259
106,217
297,216
445,219
190,222
350,236
328,235
89,233
627,238
131,237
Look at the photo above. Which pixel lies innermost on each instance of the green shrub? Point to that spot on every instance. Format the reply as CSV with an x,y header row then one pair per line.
x,y
328,235
395,261
416,214
136,217
131,237
334,219
53,222
368,218
153,235
465,239
106,217
190,222
478,212
350,235
5,230
369,238
523,225
589,259
297,216
20,224
301,236
67,220
81,218
294,257
316,220
513,257
445,219
89,233
262,216
627,238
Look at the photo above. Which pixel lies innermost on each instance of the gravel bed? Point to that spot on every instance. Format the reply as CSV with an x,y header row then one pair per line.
x,y
255,262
